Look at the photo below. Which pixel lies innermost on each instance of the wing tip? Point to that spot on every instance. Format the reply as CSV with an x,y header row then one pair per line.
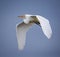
x,y
20,48
49,35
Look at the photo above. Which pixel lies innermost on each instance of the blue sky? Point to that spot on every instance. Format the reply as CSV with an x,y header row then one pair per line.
x,y
37,44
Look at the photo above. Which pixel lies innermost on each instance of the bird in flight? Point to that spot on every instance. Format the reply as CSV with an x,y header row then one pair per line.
x,y
28,21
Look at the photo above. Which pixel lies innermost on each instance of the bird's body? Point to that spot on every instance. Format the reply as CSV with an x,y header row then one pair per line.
x,y
28,21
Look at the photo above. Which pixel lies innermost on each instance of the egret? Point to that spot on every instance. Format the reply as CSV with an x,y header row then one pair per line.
x,y
28,21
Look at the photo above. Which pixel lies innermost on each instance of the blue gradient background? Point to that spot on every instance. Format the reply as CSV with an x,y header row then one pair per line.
x,y
37,44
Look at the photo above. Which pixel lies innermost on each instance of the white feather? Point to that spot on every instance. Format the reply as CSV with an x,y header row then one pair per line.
x,y
21,30
45,25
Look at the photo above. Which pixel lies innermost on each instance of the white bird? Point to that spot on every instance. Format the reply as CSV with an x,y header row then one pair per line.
x,y
28,21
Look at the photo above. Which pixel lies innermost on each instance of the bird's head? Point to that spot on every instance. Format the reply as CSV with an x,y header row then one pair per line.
x,y
24,16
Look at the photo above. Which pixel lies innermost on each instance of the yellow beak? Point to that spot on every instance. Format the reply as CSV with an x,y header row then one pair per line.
x,y
21,16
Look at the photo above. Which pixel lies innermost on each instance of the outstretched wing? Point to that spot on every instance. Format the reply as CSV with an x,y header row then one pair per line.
x,y
45,25
21,30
